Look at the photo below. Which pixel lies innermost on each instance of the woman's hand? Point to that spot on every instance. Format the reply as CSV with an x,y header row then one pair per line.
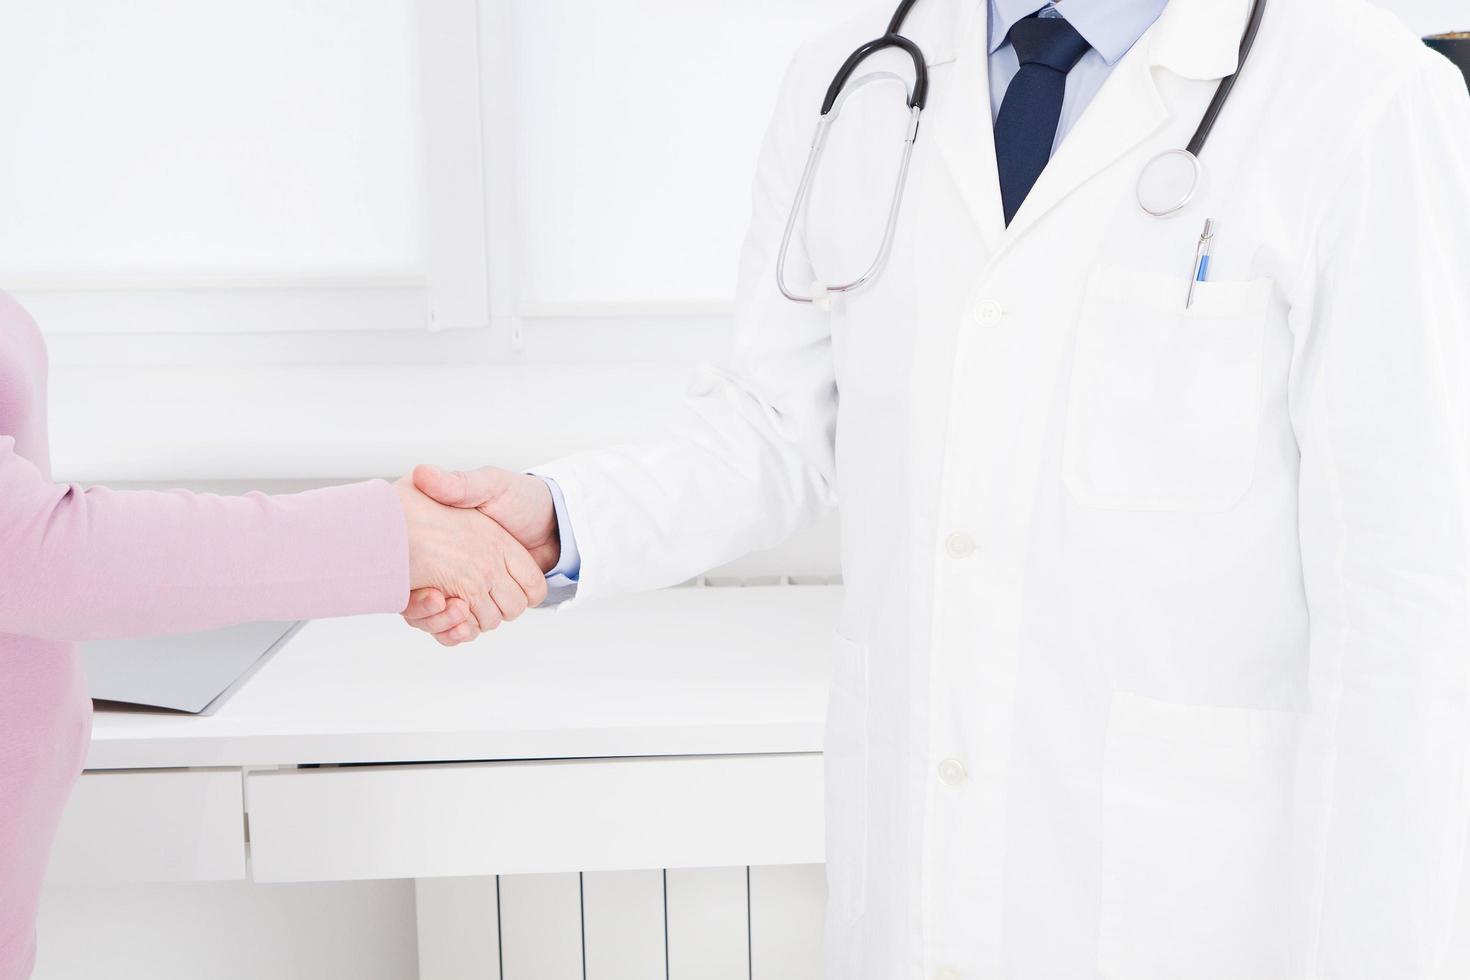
x,y
469,559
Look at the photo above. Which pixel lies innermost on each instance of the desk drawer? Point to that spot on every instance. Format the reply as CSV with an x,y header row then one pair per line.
x,y
426,821
168,825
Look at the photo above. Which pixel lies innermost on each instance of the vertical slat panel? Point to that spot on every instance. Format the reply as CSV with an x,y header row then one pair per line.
x,y
708,938
625,924
459,937
541,926
787,906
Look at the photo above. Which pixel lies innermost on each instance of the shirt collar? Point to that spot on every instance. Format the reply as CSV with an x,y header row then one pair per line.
x,y
1110,26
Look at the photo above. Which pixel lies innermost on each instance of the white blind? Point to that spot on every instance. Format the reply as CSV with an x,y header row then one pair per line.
x,y
184,138
638,125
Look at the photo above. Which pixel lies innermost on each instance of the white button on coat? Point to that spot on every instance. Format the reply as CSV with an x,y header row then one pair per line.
x,y
952,772
988,312
1170,500
959,545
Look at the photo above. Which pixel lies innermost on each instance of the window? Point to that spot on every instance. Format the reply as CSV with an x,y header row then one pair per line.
x,y
236,219
217,165
671,99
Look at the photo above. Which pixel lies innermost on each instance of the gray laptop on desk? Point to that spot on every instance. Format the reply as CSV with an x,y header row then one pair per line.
x,y
193,672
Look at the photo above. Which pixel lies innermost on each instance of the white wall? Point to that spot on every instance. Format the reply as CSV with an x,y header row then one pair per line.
x,y
1426,17
228,931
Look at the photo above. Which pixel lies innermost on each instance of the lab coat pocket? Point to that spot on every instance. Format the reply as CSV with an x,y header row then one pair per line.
x,y
1196,806
846,774
1165,403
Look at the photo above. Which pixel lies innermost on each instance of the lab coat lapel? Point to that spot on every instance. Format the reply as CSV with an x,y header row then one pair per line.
x,y
1127,110
958,120
1196,39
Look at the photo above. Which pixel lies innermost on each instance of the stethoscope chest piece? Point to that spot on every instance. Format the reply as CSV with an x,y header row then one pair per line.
x,y
1169,183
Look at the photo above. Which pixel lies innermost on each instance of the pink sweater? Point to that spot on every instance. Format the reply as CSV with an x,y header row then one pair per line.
x,y
78,564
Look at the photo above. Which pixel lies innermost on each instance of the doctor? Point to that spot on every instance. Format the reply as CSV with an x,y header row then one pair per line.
x,y
1155,662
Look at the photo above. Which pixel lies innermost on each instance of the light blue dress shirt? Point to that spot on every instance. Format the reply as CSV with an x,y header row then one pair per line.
x,y
561,581
1112,27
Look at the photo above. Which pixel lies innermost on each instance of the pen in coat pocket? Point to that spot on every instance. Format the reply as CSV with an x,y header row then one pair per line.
x,y
1201,271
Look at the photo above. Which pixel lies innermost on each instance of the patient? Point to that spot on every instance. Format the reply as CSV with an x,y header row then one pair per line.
x,y
80,564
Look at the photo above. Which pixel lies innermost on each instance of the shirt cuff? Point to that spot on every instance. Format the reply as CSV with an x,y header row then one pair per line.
x,y
563,577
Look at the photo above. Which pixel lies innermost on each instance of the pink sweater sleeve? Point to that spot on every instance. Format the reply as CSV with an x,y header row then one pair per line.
x,y
81,564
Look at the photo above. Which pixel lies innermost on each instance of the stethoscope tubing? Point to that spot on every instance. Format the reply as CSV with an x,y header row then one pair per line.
x,y
1227,84
813,161
918,97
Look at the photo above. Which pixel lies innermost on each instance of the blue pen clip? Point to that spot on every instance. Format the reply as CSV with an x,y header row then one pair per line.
x,y
1201,271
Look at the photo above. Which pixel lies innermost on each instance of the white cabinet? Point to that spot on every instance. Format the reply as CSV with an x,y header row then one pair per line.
x,y
163,825
619,766
424,821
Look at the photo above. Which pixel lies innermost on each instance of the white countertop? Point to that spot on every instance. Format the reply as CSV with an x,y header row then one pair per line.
x,y
692,671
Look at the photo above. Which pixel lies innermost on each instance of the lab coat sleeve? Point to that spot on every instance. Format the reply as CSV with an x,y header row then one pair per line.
x,y
1381,407
82,564
754,463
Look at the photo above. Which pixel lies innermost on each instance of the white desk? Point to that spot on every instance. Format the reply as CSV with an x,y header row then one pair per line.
x,y
679,672
680,729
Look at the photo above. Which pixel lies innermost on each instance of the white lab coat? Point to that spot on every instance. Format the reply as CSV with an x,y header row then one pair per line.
x,y
1156,645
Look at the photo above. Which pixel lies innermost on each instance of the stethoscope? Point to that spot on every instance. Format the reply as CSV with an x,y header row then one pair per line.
x,y
1166,186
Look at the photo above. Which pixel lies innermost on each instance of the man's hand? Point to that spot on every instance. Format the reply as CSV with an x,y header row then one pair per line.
x,y
519,504
487,575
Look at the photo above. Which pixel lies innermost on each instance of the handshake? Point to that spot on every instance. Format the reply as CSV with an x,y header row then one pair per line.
x,y
479,547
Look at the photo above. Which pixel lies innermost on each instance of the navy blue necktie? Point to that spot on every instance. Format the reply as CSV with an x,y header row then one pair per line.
x,y
1026,128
